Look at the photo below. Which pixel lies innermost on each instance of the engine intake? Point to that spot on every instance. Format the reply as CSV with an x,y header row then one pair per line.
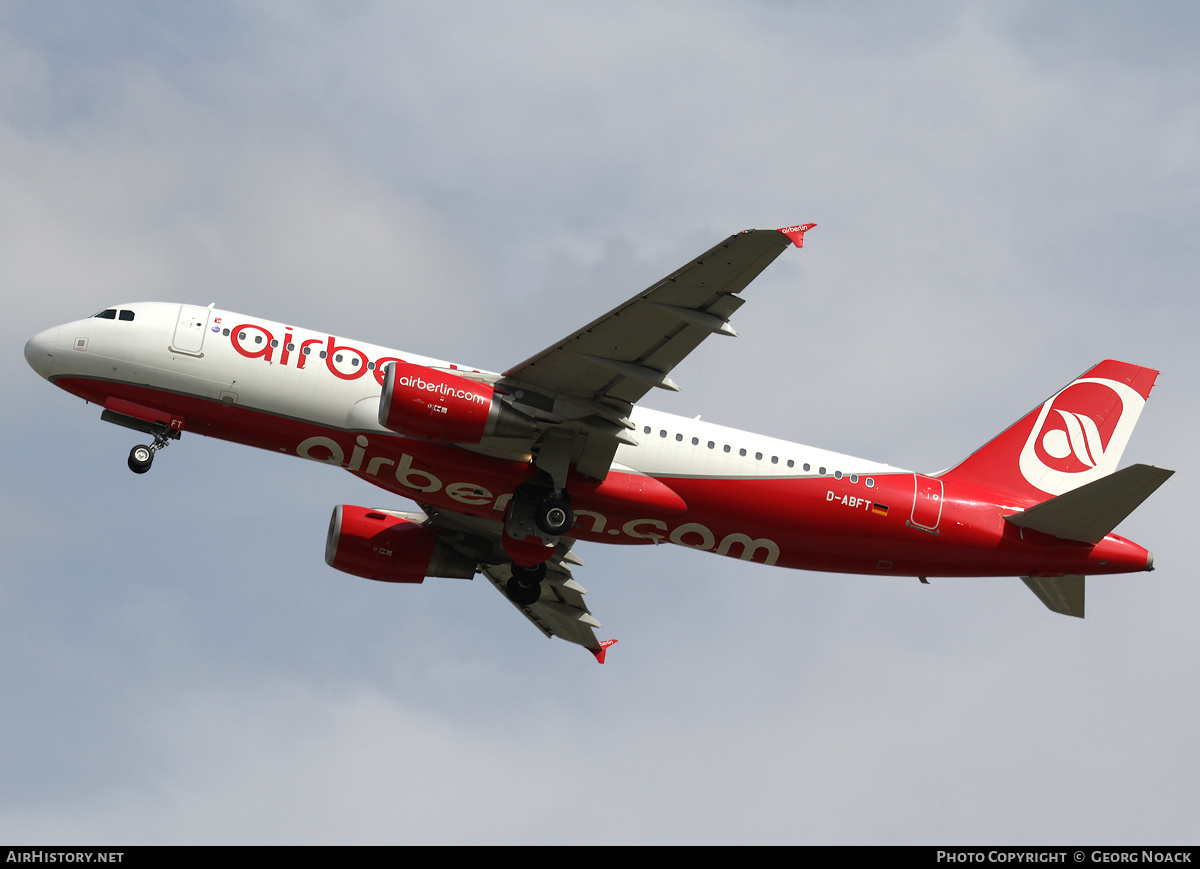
x,y
389,548
435,405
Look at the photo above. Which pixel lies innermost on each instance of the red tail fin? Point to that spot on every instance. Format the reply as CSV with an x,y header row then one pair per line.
x,y
1074,437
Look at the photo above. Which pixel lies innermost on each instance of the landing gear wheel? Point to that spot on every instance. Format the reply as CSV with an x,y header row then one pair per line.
x,y
554,516
525,587
140,458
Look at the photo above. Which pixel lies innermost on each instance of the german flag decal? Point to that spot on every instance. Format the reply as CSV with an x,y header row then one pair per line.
x,y
879,509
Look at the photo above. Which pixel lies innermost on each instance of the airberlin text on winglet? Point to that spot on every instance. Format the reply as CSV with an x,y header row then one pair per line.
x,y
796,233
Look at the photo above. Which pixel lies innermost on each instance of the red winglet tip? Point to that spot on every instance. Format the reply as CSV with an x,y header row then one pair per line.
x,y
600,652
796,233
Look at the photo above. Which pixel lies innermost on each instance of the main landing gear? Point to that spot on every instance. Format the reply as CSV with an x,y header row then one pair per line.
x,y
554,515
142,456
537,518
539,511
525,587
538,515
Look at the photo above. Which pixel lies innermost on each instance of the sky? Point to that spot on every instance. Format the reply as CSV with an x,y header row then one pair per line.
x,y
1005,193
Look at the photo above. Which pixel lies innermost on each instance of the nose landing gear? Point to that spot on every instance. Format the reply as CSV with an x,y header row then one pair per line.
x,y
142,456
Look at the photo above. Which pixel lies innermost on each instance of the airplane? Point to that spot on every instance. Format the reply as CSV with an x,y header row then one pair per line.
x,y
511,469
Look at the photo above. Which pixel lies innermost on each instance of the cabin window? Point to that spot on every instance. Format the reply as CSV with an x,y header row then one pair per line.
x,y
774,460
854,478
742,451
807,466
679,437
758,456
225,332
663,433
711,445
822,472
274,342
791,464
837,475
646,430
870,483
726,447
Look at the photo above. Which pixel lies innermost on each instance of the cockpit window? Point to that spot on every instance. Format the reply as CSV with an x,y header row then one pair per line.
x,y
113,314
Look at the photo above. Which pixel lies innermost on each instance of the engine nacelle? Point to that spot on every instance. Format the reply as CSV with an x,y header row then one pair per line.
x,y
389,548
438,406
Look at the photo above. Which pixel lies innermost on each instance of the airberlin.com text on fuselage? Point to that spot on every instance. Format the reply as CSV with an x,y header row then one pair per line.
x,y
424,486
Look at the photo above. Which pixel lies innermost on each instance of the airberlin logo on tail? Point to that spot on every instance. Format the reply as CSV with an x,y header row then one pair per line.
x,y
1079,439
1080,434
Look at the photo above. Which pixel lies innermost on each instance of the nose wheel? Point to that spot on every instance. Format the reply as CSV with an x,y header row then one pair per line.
x,y
141,457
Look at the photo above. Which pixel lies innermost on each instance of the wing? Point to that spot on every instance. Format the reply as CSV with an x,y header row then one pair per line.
x,y
588,382
581,392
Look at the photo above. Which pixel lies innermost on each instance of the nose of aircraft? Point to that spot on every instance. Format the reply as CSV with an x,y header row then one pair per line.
x,y
40,349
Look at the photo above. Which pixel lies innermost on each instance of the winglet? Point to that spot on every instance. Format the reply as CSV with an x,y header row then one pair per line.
x,y
602,651
796,233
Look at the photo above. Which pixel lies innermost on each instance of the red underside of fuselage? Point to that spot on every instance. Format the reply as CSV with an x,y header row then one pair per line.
x,y
812,523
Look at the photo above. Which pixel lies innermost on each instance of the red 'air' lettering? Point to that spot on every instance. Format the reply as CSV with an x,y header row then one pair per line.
x,y
265,352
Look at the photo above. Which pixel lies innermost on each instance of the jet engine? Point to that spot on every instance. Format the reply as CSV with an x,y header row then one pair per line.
x,y
390,548
436,405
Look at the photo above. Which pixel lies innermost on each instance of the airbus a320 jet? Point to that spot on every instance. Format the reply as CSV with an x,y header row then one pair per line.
x,y
511,469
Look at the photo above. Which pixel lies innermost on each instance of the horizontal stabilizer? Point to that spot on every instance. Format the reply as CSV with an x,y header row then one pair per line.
x,y
1093,510
1062,594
